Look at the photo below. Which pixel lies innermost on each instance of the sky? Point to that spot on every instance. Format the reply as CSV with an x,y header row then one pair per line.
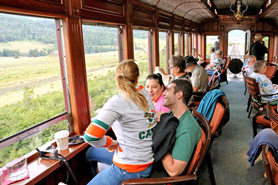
x,y
236,36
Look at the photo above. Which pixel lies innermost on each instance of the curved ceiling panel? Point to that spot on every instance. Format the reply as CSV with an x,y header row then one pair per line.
x,y
198,11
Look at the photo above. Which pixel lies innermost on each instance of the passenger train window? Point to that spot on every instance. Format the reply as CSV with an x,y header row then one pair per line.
x,y
162,51
210,40
186,44
177,44
236,43
141,55
266,43
101,57
32,92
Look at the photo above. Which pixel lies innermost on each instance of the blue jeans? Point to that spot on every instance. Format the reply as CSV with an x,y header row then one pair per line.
x,y
115,175
94,155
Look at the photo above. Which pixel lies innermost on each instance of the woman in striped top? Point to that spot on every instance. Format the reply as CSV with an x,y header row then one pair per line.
x,y
131,114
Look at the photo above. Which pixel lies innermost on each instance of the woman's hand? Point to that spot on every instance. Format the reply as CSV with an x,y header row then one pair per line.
x,y
158,115
113,147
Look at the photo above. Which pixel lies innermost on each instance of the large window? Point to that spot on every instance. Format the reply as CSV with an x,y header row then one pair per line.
x,y
32,92
210,40
177,43
186,44
236,43
141,56
101,56
266,43
162,51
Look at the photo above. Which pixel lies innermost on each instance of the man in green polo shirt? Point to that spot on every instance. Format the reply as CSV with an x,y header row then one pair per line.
x,y
188,133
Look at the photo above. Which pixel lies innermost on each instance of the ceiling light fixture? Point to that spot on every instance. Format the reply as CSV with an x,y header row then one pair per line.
x,y
238,13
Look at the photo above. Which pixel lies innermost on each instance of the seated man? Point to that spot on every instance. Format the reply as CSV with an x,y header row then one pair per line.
x,y
188,133
199,77
217,62
249,68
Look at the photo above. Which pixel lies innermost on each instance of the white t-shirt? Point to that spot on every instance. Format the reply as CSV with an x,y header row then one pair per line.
x,y
212,57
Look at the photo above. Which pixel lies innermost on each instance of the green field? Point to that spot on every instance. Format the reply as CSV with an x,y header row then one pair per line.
x,y
27,46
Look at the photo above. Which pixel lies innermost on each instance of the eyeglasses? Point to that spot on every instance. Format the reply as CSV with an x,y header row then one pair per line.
x,y
171,67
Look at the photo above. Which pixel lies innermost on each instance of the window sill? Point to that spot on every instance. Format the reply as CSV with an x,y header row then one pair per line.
x,y
40,168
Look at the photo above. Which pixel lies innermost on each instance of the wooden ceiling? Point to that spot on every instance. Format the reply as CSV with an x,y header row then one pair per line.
x,y
201,10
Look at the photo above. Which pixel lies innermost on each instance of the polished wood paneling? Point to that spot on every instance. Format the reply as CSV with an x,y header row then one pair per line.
x,y
35,7
77,74
112,11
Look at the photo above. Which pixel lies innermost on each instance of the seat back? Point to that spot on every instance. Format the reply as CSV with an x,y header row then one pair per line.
x,y
271,167
213,83
217,119
272,115
224,70
203,144
253,88
270,70
244,74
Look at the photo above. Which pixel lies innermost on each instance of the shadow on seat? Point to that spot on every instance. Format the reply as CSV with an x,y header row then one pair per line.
x,y
200,153
271,167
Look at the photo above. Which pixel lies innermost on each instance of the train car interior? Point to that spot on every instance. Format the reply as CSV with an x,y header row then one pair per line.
x,y
58,61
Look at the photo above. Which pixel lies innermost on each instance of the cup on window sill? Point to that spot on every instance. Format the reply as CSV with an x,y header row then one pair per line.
x,y
62,139
17,169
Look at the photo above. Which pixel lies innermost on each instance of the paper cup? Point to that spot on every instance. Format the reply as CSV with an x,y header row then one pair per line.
x,y
62,139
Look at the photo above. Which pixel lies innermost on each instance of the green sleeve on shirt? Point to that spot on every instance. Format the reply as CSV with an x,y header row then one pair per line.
x,y
184,147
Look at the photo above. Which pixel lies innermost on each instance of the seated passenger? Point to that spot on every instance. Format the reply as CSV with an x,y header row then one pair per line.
x,y
266,86
155,86
212,54
176,67
217,62
249,68
199,77
132,114
188,133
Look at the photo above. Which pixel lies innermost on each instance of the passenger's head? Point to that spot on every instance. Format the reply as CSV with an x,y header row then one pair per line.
x,y
260,67
155,86
127,75
190,62
251,60
211,50
177,90
176,64
218,53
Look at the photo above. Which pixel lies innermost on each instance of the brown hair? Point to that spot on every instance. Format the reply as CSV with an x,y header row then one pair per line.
x,y
127,74
184,86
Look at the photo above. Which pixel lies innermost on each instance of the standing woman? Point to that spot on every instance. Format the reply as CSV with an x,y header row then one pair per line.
x,y
132,114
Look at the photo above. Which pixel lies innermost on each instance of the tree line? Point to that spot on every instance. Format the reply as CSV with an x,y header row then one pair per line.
x,y
15,29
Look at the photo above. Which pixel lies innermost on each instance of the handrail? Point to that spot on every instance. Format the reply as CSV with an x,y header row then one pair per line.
x,y
24,134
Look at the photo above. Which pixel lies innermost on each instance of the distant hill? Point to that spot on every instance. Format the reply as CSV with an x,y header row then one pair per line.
x,y
16,28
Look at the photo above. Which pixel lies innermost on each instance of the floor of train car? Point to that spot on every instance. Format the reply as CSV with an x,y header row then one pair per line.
x,y
228,152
